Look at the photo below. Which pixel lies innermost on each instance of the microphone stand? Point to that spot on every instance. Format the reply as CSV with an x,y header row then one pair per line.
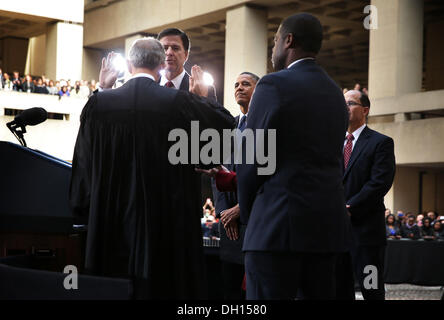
x,y
17,131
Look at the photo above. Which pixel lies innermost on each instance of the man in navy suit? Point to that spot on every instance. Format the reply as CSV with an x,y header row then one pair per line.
x,y
297,222
369,170
232,229
177,48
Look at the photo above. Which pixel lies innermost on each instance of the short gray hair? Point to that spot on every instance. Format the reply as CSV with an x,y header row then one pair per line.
x,y
146,53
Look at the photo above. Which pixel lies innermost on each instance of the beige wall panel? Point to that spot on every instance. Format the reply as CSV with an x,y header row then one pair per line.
x,y
36,60
64,10
406,190
429,191
395,62
418,141
245,48
92,60
124,18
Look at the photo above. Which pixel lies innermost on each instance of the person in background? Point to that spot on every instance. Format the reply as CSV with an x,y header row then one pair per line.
x,y
431,215
426,230
52,89
28,86
16,81
387,212
392,231
7,83
419,219
40,87
64,92
438,231
410,230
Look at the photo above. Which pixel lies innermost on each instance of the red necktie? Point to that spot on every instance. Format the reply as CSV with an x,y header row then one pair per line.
x,y
169,84
348,149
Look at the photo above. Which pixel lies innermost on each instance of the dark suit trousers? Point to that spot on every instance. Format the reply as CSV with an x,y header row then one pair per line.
x,y
289,276
233,275
363,256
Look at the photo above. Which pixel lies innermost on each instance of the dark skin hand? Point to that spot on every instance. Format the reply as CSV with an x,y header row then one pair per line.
x,y
230,219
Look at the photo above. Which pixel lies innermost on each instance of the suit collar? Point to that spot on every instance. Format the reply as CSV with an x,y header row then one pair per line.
x,y
300,63
359,146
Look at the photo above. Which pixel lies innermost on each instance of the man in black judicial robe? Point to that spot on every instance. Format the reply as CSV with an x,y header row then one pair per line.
x,y
143,211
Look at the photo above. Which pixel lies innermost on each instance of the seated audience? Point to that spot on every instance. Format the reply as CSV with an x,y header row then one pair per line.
x,y
426,230
431,215
52,89
392,231
410,230
64,92
28,86
419,219
7,83
16,82
40,87
438,231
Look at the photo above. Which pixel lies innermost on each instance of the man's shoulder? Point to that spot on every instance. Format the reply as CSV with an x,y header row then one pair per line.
x,y
377,135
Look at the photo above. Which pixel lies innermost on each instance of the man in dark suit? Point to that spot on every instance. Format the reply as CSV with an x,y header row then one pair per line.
x,y
232,230
143,212
177,48
287,256
369,170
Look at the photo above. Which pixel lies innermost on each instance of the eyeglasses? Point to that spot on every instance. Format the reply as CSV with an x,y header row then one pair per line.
x,y
352,103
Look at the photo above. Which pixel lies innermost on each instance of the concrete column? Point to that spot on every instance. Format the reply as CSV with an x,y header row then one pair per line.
x,y
64,51
35,61
245,48
434,62
129,41
396,48
92,61
405,193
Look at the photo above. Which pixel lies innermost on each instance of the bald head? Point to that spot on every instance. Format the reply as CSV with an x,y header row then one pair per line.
x,y
146,53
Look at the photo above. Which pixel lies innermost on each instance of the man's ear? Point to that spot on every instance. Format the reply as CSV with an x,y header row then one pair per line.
x,y
366,111
289,41
187,53
130,66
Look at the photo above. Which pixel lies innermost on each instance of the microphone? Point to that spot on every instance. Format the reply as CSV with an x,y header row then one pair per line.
x,y
28,117
31,117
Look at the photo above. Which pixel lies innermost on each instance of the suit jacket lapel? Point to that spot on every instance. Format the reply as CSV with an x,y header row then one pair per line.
x,y
185,84
360,145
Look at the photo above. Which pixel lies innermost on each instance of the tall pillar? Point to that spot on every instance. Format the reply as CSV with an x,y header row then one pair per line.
x,y
396,48
64,51
245,48
35,61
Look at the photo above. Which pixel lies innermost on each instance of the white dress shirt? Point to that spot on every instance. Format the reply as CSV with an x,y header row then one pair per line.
x,y
355,134
176,81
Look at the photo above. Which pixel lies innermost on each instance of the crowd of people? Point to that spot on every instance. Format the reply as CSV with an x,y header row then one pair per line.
x,y
209,221
427,226
43,85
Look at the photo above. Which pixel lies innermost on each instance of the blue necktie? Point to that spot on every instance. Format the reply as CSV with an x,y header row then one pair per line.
x,y
243,123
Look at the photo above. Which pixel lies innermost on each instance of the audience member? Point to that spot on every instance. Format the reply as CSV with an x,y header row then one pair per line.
x,y
52,89
16,81
426,230
431,215
387,212
419,219
7,83
28,86
64,92
410,230
391,229
438,231
41,88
